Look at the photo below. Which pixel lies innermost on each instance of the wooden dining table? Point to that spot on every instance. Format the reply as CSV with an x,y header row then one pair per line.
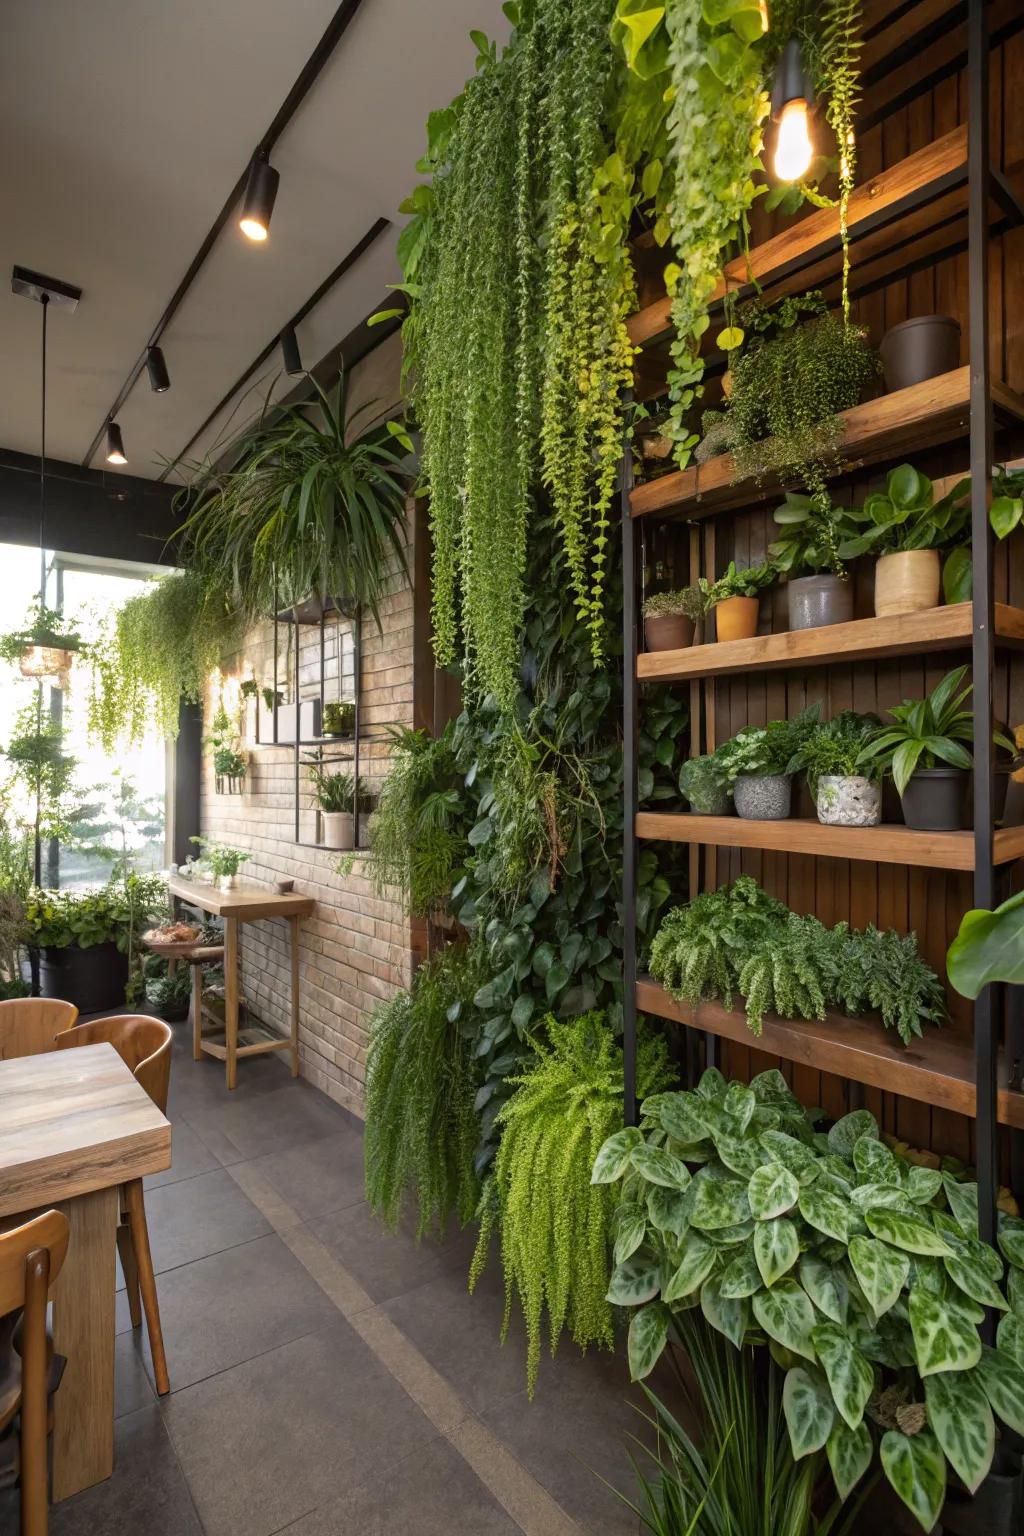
x,y
74,1125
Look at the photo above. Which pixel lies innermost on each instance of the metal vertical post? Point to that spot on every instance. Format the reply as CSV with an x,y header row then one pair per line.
x,y
986,1012
357,683
629,782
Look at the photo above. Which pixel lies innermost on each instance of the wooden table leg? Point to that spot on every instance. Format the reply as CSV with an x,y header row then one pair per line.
x,y
295,995
83,1331
231,998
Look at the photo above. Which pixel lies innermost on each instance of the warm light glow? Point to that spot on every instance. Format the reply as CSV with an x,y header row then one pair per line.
x,y
763,8
45,661
253,228
793,148
115,456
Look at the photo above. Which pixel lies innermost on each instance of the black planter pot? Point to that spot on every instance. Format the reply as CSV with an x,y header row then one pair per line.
x,y
919,349
997,1509
818,600
933,800
93,979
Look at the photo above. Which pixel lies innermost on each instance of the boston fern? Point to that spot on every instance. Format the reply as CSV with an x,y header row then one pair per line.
x,y
865,1273
834,748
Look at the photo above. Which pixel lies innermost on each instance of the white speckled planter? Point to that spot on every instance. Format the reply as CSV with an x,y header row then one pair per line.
x,y
765,798
849,801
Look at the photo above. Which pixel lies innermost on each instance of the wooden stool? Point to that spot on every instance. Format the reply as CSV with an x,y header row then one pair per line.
x,y
31,1256
144,1045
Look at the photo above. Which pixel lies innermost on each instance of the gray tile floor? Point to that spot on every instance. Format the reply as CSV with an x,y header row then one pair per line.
x,y
329,1378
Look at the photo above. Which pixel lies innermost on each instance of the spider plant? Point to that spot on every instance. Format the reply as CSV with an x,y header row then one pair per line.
x,y
305,508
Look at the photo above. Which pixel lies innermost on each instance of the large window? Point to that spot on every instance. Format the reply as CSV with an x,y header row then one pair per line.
x,y
114,807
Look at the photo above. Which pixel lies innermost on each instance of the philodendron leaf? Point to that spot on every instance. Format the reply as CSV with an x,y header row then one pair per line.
x,y
648,1331
1010,1338
971,1274
772,1191
849,1453
1003,1381
739,1154
875,1163
959,1413
630,1232
826,1285
846,1133
659,1167
787,1316
740,1103
849,1375
636,1281
1011,1243
916,1469
810,1413
910,1233
729,1315
800,1160
718,1203
776,1248
682,1118
945,1337
613,1159
1015,1291
923,1184
867,1197
668,1210
881,1272
741,1277
824,1211
699,1259
963,1204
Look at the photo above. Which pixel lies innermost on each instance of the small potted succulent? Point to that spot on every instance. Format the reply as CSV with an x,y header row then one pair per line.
x,y
926,749
339,718
222,862
846,791
735,598
811,539
906,528
670,618
705,783
757,764
919,349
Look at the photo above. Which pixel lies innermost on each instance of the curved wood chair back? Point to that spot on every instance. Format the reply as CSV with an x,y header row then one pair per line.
x,y
28,1025
45,1234
142,1042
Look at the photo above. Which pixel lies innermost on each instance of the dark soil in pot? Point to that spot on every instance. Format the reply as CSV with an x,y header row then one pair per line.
x,y
919,349
934,800
93,979
818,600
997,1509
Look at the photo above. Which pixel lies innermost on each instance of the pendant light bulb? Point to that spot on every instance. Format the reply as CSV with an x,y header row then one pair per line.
x,y
115,445
290,354
260,192
793,148
159,378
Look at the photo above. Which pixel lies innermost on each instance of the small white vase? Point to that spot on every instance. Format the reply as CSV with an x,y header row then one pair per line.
x,y
338,830
226,882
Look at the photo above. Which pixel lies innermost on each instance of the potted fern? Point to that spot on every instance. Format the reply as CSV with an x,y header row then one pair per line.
x,y
847,792
670,618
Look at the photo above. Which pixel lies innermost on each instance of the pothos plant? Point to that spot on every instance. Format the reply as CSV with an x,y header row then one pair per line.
x,y
863,1275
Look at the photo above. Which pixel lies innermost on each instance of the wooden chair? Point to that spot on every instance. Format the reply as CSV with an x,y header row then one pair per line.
x,y
31,1256
28,1024
144,1045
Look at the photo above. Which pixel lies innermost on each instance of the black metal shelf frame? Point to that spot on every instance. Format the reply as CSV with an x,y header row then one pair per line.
x,y
988,882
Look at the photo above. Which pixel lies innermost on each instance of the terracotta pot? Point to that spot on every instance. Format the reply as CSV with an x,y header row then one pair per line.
x,y
669,632
907,582
920,349
338,829
736,618
815,601
934,799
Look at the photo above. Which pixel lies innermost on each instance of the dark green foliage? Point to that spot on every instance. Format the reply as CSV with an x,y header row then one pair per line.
x,y
834,747
421,1127
770,748
418,833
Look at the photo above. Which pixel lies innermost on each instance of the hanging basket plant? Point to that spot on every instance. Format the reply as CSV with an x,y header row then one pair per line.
x,y
44,647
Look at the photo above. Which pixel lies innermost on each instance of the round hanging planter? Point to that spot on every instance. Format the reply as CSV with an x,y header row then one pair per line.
x,y
763,797
848,800
997,1509
668,632
919,349
338,830
934,798
94,979
736,618
907,582
815,601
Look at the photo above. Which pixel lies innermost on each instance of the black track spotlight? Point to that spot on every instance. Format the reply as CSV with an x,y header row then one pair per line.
x,y
792,98
159,378
260,192
115,445
290,352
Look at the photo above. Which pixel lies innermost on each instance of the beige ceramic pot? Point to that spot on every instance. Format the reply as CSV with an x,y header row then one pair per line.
x,y
907,582
668,632
736,618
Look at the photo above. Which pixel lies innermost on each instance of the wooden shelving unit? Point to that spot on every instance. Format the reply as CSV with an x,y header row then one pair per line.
x,y
937,1069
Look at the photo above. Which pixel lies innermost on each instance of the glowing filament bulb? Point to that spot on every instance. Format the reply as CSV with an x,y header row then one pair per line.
x,y
793,148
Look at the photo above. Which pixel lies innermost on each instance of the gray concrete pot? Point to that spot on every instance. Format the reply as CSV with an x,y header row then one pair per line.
x,y
997,1509
765,797
848,800
934,799
815,601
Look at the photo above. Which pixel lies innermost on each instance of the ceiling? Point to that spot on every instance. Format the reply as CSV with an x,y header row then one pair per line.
x,y
125,125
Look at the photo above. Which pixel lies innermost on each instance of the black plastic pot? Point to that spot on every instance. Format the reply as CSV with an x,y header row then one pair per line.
x,y
934,799
885,1513
818,600
93,979
997,1509
920,349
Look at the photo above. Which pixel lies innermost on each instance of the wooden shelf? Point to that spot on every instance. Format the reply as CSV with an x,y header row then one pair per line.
x,y
937,1070
902,423
936,629
886,844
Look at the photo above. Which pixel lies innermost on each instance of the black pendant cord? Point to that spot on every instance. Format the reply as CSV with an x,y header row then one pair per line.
x,y
45,302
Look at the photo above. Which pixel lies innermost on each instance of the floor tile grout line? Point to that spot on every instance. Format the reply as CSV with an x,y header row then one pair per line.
x,y
509,1482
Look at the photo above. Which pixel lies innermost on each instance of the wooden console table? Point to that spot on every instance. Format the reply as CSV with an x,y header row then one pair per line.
x,y
247,902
